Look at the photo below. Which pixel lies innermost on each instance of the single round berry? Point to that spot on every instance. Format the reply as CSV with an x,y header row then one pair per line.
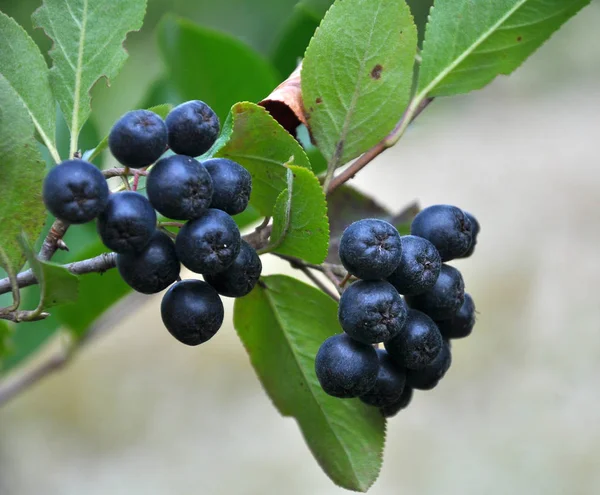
x,y
446,227
428,377
138,138
444,298
462,323
370,249
241,276
389,384
401,403
474,233
232,185
193,128
209,244
418,344
192,311
75,191
127,223
419,267
179,187
372,311
346,368
154,268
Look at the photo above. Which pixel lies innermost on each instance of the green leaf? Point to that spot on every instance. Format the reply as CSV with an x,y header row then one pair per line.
x,y
22,171
255,140
88,44
357,75
282,324
25,69
467,44
5,333
300,226
212,66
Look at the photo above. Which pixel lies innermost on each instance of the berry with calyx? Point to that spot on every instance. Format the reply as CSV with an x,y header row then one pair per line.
x,y
138,138
446,227
192,311
75,191
127,223
428,377
418,344
370,249
179,187
154,268
444,298
389,385
419,267
346,368
232,185
401,403
372,311
475,232
193,128
241,276
462,323
209,244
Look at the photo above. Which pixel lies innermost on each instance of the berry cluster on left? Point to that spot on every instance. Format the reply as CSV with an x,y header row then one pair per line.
x,y
201,196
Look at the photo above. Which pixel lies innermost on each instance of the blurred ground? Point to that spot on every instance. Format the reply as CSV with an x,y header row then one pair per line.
x,y
518,413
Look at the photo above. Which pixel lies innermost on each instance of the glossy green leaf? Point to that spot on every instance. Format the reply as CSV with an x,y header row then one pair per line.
x,y
22,172
357,75
282,323
255,140
300,226
25,69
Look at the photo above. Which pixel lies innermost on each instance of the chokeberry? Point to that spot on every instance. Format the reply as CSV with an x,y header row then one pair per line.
x,y
346,368
232,185
193,128
138,138
241,276
371,311
401,403
444,298
75,191
419,267
192,311
428,377
446,227
389,384
154,268
179,187
127,223
474,233
462,322
418,344
209,244
370,249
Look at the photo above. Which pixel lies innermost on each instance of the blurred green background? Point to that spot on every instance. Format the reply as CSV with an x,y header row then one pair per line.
x,y
519,412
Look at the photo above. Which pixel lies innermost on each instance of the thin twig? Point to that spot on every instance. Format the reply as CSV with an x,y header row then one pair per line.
x,y
122,172
315,280
50,245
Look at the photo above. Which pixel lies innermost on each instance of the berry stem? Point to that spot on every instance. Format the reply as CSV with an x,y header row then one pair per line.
x,y
136,180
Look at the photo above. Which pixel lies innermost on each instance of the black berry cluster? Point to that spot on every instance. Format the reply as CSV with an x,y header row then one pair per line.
x,y
204,195
415,329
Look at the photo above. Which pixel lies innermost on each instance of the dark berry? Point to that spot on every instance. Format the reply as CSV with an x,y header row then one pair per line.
x,y
127,223
75,191
232,185
444,298
193,128
462,323
241,276
446,227
389,384
371,311
419,267
192,311
418,344
346,368
179,187
370,249
154,268
428,377
401,403
138,138
474,233
209,244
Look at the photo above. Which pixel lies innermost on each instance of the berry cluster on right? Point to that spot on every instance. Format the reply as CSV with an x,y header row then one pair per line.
x,y
406,298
